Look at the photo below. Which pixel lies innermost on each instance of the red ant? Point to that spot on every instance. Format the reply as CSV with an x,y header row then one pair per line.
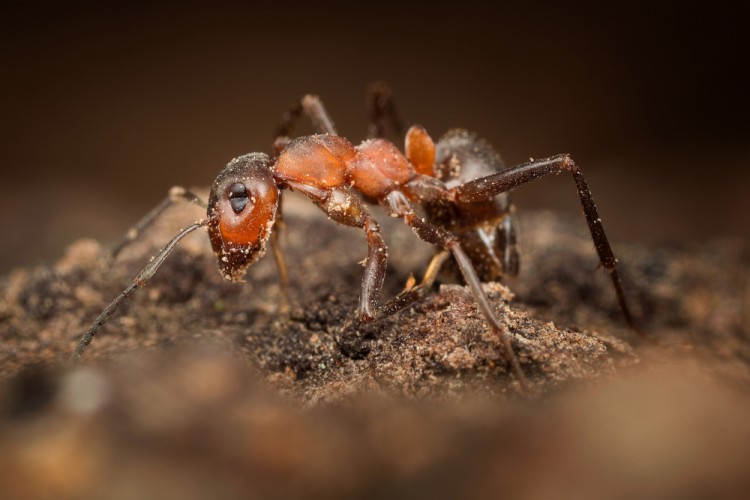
x,y
459,183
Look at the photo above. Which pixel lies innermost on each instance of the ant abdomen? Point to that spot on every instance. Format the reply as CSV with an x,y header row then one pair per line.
x,y
487,228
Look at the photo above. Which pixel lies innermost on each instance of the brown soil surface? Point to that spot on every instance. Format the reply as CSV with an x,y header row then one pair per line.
x,y
199,388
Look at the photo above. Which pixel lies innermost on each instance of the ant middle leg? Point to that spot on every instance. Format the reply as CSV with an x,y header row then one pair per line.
x,y
312,107
176,194
501,182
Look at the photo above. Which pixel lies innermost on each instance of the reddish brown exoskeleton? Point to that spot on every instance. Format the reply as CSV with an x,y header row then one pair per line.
x,y
453,195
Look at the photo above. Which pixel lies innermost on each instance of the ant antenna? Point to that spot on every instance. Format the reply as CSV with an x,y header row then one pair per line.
x,y
141,280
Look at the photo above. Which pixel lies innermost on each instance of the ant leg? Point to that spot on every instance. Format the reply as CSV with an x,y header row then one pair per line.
x,y
313,108
509,245
176,194
381,107
141,280
397,205
318,115
491,185
342,206
414,294
346,208
278,255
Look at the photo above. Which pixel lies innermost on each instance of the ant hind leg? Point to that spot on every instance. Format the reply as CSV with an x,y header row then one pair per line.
x,y
509,243
397,205
501,182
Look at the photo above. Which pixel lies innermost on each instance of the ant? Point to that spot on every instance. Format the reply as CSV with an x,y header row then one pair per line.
x,y
453,194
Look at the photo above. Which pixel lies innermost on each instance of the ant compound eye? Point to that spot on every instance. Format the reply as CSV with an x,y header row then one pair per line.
x,y
238,197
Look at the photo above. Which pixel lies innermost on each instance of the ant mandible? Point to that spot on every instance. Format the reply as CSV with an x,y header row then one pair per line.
x,y
459,184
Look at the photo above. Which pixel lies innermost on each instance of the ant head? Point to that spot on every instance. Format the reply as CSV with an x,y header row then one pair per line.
x,y
242,209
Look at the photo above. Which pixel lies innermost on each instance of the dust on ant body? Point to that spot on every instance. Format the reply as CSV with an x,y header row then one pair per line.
x,y
453,194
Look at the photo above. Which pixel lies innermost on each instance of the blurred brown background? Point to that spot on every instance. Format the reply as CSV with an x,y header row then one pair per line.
x,y
104,107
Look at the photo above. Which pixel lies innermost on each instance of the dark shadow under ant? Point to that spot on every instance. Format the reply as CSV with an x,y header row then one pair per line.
x,y
452,194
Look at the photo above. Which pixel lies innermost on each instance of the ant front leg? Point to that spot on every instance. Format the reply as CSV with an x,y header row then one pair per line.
x,y
501,182
397,205
312,107
176,194
278,255
344,207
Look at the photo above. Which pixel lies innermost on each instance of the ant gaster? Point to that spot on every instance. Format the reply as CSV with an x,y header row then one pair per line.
x,y
452,194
